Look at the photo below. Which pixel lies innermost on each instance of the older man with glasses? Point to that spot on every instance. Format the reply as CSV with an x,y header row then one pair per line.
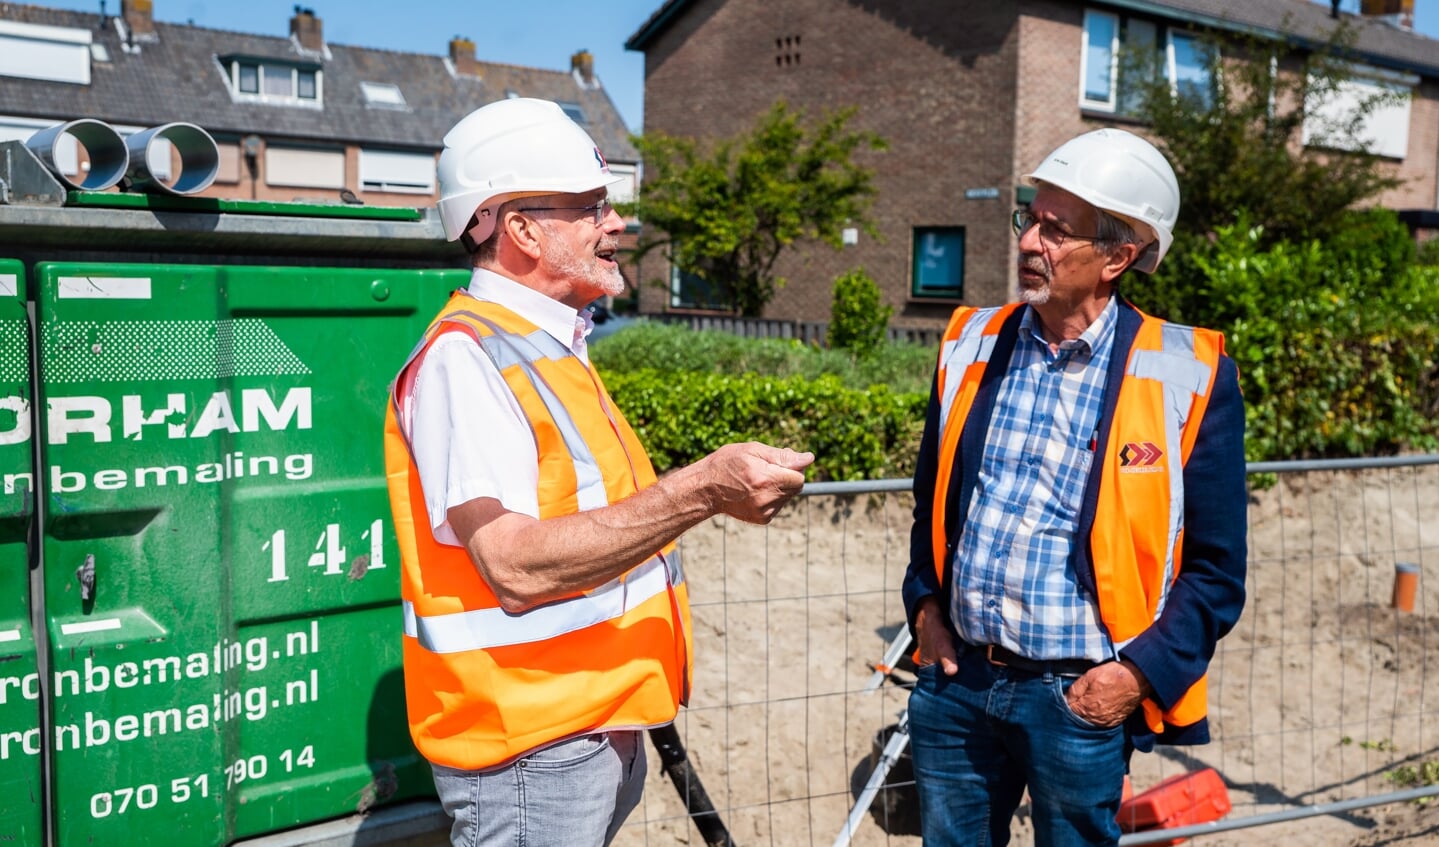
x,y
1078,545
546,614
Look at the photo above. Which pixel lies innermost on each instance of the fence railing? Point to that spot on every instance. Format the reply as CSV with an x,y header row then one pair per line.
x,y
1322,700
809,332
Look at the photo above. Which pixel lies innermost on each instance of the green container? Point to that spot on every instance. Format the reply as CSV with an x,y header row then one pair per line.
x,y
21,820
221,581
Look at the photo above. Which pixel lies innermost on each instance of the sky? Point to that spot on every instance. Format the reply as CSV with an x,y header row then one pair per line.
x,y
537,33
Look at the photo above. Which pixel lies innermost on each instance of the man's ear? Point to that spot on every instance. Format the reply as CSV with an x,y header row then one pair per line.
x,y
1118,260
524,233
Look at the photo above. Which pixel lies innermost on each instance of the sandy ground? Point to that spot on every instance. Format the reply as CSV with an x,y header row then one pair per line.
x,y
1324,693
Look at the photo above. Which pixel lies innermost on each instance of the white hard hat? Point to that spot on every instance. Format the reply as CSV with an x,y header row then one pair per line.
x,y
1122,174
513,148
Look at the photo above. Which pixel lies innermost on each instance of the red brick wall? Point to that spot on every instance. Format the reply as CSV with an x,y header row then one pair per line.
x,y
969,94
936,80
1420,168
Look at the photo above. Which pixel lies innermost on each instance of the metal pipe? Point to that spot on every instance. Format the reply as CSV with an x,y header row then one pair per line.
x,y
873,486
106,156
198,155
893,749
1361,463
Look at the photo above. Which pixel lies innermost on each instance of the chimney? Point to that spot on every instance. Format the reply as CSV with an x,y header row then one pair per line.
x,y
307,29
462,54
139,16
1398,13
583,63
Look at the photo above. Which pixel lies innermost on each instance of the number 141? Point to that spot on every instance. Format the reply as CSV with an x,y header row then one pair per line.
x,y
329,553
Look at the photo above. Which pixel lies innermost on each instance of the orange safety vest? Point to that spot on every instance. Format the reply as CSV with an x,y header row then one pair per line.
x,y
484,686
1137,538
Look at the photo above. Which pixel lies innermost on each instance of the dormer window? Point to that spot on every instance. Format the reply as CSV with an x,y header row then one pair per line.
x,y
273,82
382,95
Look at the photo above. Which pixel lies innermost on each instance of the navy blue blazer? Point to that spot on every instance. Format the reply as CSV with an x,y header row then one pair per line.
x,y
1208,595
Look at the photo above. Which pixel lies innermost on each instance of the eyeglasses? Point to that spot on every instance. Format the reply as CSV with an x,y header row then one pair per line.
x,y
600,210
1050,232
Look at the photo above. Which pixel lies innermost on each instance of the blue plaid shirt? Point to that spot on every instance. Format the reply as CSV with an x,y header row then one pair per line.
x,y
1013,581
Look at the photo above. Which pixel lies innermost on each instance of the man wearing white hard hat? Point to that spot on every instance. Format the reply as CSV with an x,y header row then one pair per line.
x,y
1079,538
546,613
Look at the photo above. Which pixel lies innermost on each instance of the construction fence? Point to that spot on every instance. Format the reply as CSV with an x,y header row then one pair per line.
x,y
1322,700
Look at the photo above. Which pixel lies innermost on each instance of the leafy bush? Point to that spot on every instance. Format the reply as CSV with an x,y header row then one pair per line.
x,y
903,368
857,321
680,416
1334,342
1428,252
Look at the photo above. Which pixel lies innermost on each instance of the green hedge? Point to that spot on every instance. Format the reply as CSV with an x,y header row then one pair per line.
x,y
905,368
680,416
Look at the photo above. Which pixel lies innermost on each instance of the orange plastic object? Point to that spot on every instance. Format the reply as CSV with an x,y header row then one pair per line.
x,y
1189,798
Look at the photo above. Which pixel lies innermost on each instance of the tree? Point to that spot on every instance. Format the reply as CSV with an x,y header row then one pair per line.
x,y
725,214
1238,148
858,318
1238,144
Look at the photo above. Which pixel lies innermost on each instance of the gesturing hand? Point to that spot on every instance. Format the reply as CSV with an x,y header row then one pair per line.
x,y
753,481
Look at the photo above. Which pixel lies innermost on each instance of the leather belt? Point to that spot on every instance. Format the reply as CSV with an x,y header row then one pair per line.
x,y
1000,657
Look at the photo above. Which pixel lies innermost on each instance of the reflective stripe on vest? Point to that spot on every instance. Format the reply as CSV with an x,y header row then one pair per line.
x,y
1183,378
507,350
482,629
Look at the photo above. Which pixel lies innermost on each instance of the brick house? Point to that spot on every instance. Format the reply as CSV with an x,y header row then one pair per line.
x,y
970,96
294,118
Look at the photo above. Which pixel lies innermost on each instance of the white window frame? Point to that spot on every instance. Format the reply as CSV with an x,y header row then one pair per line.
x,y
1171,59
15,128
1390,142
50,53
67,154
323,168
1085,101
232,72
374,163
1118,24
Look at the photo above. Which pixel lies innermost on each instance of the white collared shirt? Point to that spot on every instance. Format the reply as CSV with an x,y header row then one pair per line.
x,y
469,435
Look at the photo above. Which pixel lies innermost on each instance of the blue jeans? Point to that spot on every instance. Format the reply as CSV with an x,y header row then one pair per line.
x,y
577,792
980,737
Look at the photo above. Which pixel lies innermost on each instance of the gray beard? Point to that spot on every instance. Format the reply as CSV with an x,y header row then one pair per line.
x,y
1034,296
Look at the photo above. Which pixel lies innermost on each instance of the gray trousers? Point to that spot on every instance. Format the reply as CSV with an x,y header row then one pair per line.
x,y
577,792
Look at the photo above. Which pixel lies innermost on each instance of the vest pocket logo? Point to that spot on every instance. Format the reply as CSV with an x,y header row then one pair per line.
x,y
1140,457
